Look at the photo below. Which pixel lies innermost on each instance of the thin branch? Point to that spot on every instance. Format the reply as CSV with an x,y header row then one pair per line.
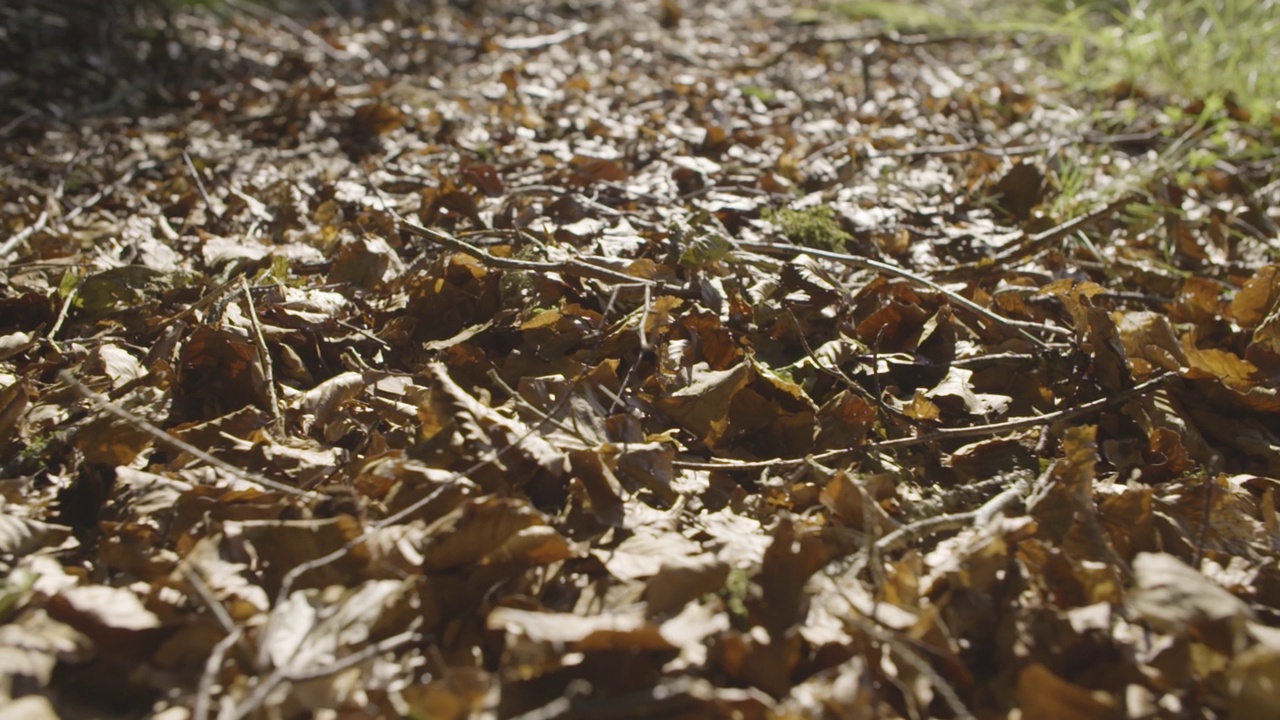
x,y
907,534
519,400
62,314
1202,537
575,267
1022,327
216,608
488,458
195,175
264,356
7,248
384,646
206,300
177,444
204,694
1053,236
1012,150
262,12
910,657
944,434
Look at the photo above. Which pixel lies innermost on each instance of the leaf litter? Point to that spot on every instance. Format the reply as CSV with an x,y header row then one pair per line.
x,y
632,361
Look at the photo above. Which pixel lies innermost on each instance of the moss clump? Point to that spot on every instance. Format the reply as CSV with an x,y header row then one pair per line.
x,y
815,227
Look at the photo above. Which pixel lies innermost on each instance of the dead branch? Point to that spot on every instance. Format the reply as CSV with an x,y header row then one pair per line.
x,y
264,356
180,445
944,434
1023,328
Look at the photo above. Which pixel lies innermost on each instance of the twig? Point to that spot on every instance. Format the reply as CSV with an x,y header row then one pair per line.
x,y
7,248
1203,536
13,124
204,695
22,235
1093,526
387,645
888,38
98,196
206,300
518,399
264,356
62,313
944,434
1022,327
265,13
539,42
215,607
577,268
1012,150
1052,236
178,444
258,694
195,175
910,657
907,534
490,457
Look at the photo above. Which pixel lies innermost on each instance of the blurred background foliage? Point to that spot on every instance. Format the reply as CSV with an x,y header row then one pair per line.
x,y
1218,51
76,57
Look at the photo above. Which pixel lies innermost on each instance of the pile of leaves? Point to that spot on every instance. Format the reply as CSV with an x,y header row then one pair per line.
x,y
613,360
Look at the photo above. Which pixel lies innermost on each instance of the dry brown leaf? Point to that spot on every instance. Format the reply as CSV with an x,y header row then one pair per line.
x,y
474,531
1148,337
31,646
622,631
21,536
1042,694
601,486
30,707
957,386
1175,598
1257,298
1222,365
282,545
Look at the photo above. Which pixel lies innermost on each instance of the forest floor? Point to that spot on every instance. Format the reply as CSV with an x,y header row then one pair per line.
x,y
623,360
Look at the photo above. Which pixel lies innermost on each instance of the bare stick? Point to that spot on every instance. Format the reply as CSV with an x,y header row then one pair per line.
x,y
195,175
62,313
204,696
215,607
7,248
910,657
944,434
180,445
1031,243
383,646
264,356
206,300
577,268
518,399
907,534
1023,328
